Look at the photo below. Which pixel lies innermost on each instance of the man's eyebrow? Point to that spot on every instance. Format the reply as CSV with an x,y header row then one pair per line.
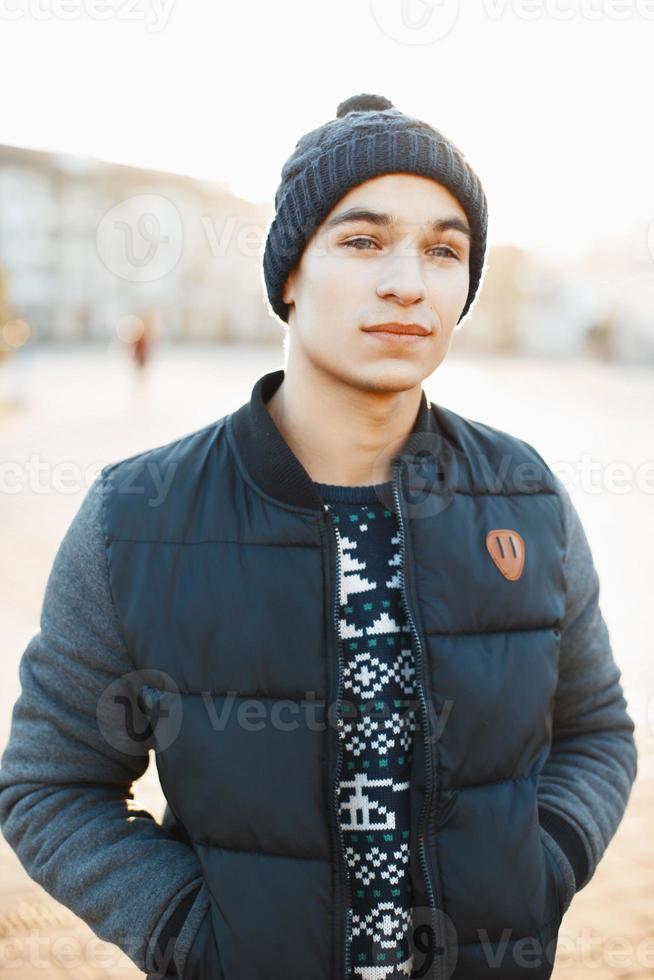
x,y
452,222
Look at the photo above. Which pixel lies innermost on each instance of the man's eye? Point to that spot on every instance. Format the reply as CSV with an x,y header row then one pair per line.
x,y
353,243
450,251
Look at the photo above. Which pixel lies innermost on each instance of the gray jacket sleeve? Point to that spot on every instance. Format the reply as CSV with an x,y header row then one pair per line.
x,y
586,781
65,774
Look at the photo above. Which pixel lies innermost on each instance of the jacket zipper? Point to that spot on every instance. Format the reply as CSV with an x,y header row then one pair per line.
x,y
423,707
347,895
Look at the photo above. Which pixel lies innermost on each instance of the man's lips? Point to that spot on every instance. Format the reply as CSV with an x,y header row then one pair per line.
x,y
401,328
398,334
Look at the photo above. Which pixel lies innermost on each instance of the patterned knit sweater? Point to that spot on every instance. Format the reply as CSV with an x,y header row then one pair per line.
x,y
379,698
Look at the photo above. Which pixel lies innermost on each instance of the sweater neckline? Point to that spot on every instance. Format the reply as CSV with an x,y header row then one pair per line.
x,y
372,493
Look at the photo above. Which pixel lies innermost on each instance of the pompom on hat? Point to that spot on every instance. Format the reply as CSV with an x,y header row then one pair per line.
x,y
368,137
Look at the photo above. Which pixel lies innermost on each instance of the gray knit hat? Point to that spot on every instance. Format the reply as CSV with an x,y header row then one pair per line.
x,y
368,137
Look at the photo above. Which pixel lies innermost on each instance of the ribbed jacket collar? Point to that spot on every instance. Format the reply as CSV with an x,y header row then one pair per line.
x,y
269,459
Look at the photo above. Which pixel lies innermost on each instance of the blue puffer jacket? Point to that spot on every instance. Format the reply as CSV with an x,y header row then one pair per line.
x,y
226,589
191,609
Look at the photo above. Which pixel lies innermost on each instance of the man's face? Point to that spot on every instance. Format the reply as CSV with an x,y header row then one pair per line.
x,y
359,273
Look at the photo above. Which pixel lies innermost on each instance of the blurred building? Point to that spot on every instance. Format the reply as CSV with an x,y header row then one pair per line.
x,y
61,245
601,304
85,245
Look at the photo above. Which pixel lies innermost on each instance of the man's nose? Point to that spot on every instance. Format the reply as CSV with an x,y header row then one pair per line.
x,y
402,278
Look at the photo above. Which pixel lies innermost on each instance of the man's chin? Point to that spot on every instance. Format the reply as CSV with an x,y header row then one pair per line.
x,y
390,378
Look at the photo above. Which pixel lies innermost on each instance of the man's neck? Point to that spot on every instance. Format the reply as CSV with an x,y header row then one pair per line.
x,y
340,434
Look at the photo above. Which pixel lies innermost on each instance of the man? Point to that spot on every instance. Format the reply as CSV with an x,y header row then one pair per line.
x,y
364,631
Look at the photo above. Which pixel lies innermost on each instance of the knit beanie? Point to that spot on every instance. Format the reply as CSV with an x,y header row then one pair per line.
x,y
368,137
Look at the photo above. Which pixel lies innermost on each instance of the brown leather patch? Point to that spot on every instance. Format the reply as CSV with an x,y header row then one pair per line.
x,y
507,549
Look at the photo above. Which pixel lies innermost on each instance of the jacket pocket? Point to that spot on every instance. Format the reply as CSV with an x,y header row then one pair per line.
x,y
202,960
555,885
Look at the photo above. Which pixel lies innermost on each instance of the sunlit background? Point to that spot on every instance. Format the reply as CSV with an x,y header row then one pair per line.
x,y
141,145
